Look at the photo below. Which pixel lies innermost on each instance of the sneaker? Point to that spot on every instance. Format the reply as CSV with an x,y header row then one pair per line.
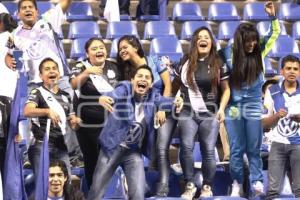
x,y
162,190
190,191
258,188
206,191
236,189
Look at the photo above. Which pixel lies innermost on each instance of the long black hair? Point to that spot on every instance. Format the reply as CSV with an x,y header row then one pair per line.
x,y
8,22
246,67
126,68
213,60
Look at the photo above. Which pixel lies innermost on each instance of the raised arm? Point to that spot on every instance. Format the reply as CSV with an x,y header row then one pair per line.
x,y
269,41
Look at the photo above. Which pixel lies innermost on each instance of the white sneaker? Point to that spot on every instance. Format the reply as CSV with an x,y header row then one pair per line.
x,y
236,189
206,191
190,191
258,188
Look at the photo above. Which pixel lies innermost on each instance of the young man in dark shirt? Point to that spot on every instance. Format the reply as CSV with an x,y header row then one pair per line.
x,y
48,101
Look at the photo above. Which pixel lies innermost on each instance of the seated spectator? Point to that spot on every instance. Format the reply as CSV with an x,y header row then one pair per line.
x,y
283,104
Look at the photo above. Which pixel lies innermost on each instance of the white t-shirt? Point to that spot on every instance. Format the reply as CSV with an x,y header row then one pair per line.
x,y
8,77
287,131
38,43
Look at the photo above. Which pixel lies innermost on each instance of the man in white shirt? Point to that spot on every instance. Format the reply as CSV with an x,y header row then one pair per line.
x,y
282,101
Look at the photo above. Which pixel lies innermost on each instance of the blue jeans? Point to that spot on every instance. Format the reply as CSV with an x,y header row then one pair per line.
x,y
163,140
133,166
34,153
206,127
244,128
280,155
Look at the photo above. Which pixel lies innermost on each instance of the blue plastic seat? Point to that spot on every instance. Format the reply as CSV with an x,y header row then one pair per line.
x,y
255,11
12,8
296,30
84,29
223,12
118,29
187,12
77,48
263,28
189,27
166,46
289,12
80,11
44,6
227,29
283,46
159,29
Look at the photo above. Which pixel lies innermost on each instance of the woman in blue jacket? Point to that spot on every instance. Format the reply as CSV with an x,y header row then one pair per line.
x,y
243,113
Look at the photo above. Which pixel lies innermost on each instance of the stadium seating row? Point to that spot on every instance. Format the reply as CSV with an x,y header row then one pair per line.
x,y
182,11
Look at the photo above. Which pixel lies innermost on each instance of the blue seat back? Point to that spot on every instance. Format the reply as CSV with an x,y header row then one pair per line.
x,y
166,46
289,11
77,48
114,48
80,11
296,30
284,45
118,29
263,28
84,29
227,29
189,27
187,11
12,8
255,11
159,29
222,12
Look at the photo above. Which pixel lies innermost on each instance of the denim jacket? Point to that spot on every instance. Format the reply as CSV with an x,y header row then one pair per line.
x,y
119,122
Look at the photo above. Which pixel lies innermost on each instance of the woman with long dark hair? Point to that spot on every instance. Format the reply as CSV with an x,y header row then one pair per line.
x,y
204,87
91,78
243,113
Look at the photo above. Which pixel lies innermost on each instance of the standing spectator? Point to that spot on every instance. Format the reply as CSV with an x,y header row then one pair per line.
x,y
129,132
243,113
202,75
130,57
91,78
282,101
49,101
